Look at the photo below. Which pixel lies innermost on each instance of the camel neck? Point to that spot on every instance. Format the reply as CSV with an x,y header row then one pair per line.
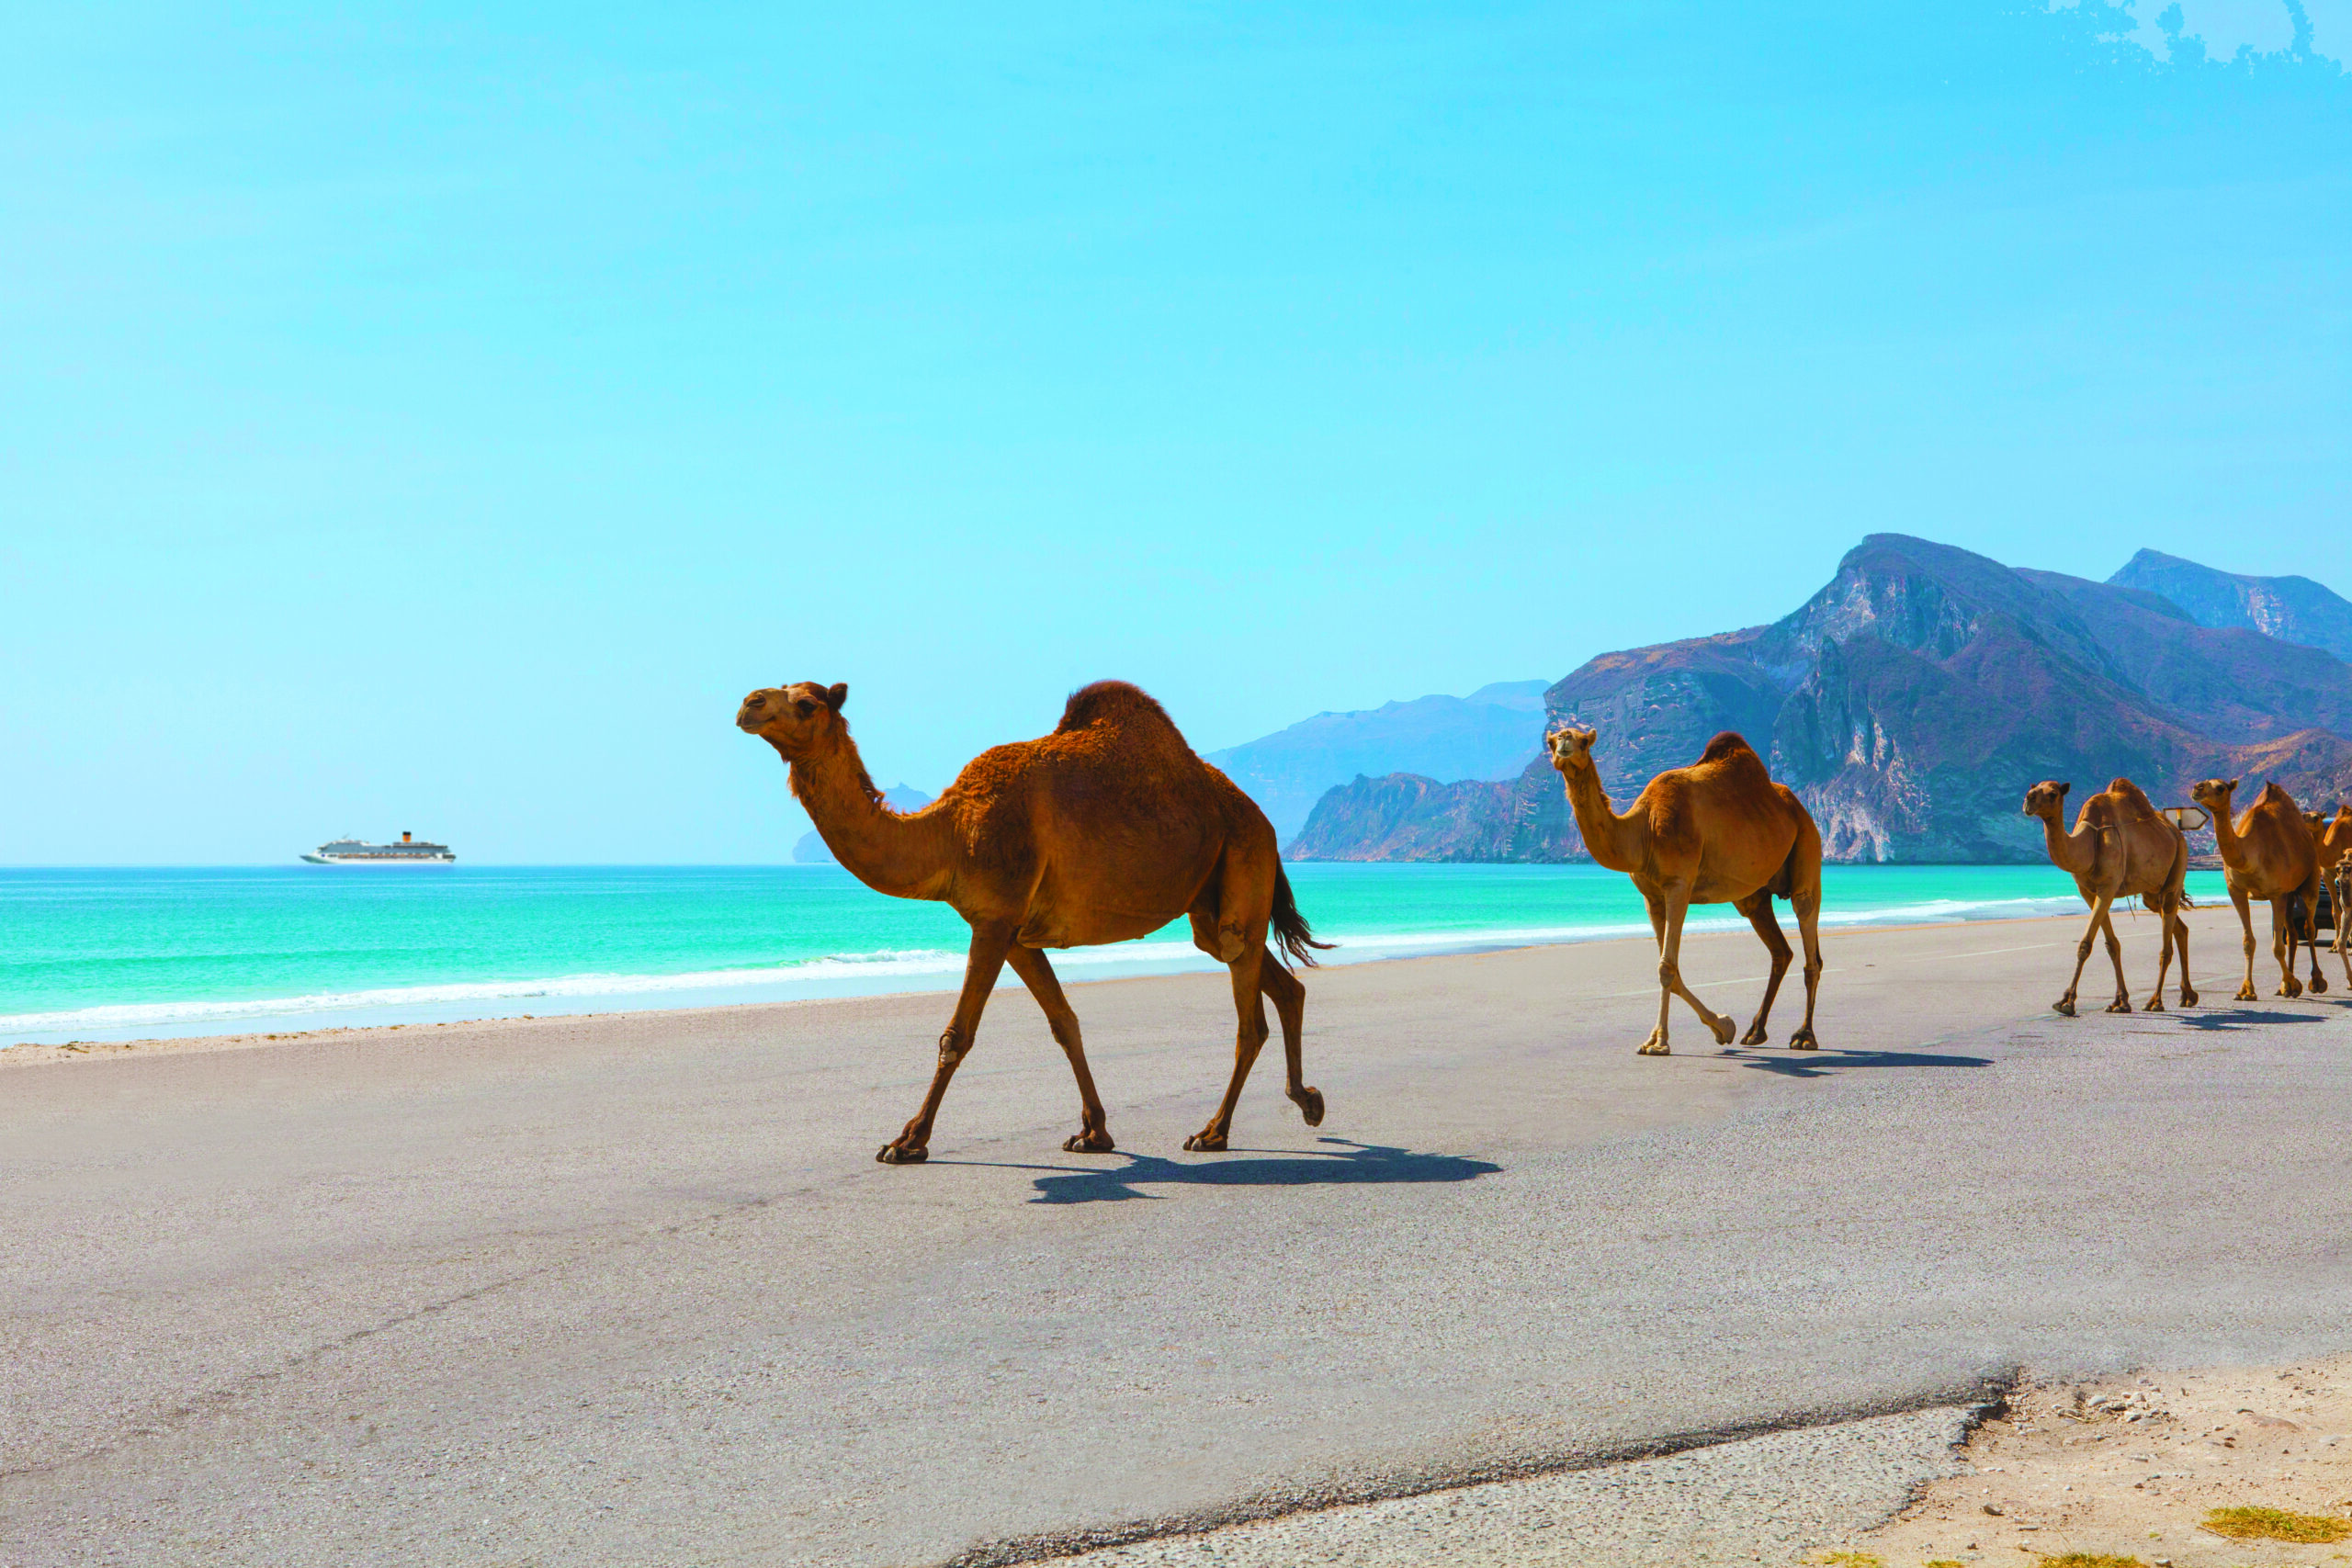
x,y
1608,837
2225,837
903,856
2068,851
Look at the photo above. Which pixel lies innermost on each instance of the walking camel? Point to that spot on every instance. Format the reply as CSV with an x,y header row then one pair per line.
x,y
1102,831
2267,853
2120,849
2333,836
1719,831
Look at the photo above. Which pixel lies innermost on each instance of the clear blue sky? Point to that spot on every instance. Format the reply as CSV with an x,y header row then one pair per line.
x,y
439,420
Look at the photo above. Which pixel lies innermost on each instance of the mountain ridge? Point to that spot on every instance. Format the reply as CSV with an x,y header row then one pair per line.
x,y
1910,702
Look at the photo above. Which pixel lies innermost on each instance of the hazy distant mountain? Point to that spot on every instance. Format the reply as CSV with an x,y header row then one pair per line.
x,y
1910,702
2292,609
1490,733
811,850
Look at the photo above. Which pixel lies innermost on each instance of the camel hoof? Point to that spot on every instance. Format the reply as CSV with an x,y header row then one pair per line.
x,y
2319,984
2248,994
1755,1036
1656,1048
1310,1105
2187,998
2291,988
895,1153
2064,1005
2157,1005
1090,1143
2119,1005
1802,1040
1205,1143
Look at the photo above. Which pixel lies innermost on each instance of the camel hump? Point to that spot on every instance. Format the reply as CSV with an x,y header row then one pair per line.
x,y
1112,702
2272,793
1730,743
2125,790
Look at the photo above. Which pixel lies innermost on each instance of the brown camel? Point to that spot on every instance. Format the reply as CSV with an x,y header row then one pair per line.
x,y
2333,838
2120,849
1719,831
2268,853
1102,831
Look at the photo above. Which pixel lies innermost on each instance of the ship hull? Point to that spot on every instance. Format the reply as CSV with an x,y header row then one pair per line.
x,y
377,860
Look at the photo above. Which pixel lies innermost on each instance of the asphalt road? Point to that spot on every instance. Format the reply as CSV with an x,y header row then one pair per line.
x,y
632,1290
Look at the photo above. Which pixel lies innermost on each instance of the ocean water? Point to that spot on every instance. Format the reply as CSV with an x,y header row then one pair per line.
x,y
116,954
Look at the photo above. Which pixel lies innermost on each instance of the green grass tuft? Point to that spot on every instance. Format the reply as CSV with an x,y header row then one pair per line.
x,y
2088,1559
2276,1524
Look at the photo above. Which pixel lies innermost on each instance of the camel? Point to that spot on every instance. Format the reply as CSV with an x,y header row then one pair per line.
x,y
2333,838
1102,831
2120,849
2267,853
1719,831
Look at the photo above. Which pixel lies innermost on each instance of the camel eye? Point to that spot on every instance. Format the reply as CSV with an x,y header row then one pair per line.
x,y
805,708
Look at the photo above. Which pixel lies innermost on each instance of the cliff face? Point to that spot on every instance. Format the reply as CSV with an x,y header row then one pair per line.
x,y
1911,702
2292,609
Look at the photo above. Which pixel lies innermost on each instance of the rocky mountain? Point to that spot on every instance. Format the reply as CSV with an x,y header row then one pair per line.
x,y
2292,609
810,849
1493,733
1910,702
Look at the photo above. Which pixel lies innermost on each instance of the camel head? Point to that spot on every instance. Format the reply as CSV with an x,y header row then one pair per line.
x,y
2337,830
2047,800
2213,794
795,719
1571,747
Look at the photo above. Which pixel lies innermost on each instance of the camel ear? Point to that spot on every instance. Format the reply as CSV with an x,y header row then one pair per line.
x,y
836,694
2232,784
2062,789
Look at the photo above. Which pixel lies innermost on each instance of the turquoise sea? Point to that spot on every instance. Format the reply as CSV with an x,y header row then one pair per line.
x,y
127,953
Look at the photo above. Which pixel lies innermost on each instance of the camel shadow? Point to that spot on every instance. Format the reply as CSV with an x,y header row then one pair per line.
x,y
1347,1164
1823,1064
2244,1018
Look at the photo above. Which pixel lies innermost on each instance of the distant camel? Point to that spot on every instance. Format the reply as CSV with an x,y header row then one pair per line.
x,y
2267,853
2333,837
1102,831
2120,849
1719,831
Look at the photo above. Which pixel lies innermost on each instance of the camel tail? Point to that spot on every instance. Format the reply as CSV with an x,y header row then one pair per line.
x,y
1292,933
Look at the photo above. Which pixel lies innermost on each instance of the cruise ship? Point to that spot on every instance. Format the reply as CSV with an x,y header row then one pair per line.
x,y
410,851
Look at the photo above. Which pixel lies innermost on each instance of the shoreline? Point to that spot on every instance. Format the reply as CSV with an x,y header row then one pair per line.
x,y
32,1054
910,972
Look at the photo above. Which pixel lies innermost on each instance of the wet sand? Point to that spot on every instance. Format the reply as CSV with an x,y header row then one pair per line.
x,y
630,1288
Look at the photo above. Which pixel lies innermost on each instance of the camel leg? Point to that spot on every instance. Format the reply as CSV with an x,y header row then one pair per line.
x,y
2247,993
2163,904
2311,938
2180,942
2065,1004
1805,897
1251,1037
980,969
2122,1002
1656,1045
2282,948
2343,924
1289,996
1038,974
1758,908
1669,972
